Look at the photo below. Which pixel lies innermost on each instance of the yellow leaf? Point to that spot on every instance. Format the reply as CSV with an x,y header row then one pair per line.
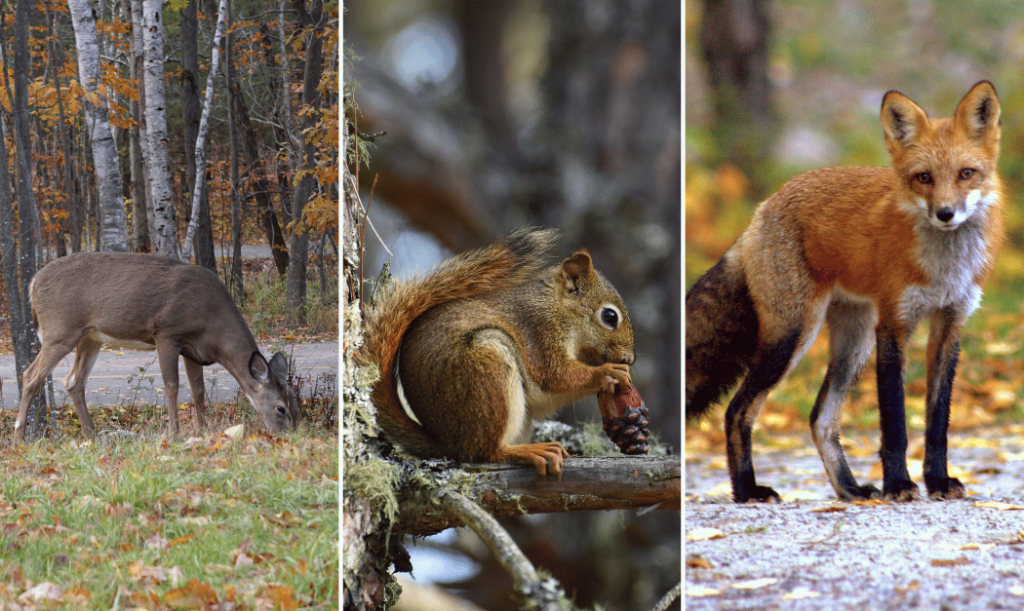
x,y
704,534
998,505
754,584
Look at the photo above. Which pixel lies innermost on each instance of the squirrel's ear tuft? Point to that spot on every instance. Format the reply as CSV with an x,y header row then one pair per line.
x,y
577,269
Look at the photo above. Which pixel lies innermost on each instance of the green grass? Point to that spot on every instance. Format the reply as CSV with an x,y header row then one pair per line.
x,y
253,522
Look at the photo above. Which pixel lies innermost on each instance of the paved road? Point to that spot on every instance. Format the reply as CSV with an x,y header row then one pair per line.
x,y
125,376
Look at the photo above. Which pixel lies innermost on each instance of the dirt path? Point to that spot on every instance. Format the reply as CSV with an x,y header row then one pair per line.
x,y
813,552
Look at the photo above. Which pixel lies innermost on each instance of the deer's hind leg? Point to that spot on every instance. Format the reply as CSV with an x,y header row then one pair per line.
x,y
49,355
194,373
85,358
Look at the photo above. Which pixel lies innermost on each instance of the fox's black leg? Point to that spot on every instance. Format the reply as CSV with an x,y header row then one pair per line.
x,y
896,483
943,353
770,364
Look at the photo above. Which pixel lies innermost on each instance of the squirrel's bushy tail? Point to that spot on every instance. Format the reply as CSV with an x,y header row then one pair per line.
x,y
514,259
721,336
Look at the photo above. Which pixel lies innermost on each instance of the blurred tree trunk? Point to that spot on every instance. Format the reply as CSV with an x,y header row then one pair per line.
x,y
190,112
734,36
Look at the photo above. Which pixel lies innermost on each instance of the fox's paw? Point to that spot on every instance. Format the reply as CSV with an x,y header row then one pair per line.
x,y
947,489
758,494
860,493
901,491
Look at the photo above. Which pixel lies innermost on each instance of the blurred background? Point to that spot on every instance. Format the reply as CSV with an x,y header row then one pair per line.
x,y
774,88
506,113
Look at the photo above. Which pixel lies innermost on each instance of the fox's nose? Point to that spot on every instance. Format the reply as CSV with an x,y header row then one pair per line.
x,y
945,214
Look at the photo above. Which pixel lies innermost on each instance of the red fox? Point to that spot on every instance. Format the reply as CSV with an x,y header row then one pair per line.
x,y
860,249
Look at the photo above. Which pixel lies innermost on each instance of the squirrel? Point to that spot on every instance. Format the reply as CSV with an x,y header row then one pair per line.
x,y
490,340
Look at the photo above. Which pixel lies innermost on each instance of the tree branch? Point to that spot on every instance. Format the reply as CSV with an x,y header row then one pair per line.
x,y
587,483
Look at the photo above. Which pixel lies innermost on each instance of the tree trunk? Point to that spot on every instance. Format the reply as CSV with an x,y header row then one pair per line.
x,y
165,236
142,199
237,285
197,224
24,338
113,223
260,187
295,297
199,230
734,36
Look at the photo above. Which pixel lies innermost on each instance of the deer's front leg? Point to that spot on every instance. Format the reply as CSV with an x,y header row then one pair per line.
x,y
194,373
167,356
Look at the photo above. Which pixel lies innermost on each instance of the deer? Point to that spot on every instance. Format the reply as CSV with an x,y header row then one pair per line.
x,y
147,302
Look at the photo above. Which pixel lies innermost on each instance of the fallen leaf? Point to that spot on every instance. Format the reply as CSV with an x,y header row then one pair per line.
x,y
43,592
283,597
700,591
704,534
754,584
829,509
800,593
193,595
801,495
950,562
697,562
236,432
998,505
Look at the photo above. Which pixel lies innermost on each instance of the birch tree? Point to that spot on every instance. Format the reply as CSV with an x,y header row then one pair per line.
x,y
142,220
165,233
113,221
204,124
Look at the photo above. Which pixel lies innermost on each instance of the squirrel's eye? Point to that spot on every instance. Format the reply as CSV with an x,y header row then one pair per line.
x,y
609,317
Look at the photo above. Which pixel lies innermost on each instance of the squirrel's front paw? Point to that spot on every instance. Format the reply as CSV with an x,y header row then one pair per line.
x,y
546,457
614,374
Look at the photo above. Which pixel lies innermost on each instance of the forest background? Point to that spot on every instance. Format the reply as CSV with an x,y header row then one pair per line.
x,y
778,88
109,108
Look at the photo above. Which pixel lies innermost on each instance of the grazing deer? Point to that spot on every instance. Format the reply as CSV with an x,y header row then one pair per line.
x,y
146,302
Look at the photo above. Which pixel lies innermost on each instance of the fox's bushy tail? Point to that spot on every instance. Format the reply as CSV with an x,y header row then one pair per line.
x,y
721,336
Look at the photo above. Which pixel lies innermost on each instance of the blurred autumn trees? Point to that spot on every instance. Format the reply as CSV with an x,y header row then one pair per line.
x,y
100,107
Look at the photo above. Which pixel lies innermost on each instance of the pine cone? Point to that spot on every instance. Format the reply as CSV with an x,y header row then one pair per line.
x,y
625,419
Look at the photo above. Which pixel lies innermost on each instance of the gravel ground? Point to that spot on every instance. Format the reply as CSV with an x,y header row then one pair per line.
x,y
814,552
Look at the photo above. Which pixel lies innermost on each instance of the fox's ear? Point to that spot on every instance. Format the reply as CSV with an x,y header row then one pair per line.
x,y
902,119
977,115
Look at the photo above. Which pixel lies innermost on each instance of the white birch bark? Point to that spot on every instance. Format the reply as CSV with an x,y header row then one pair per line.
x,y
204,127
165,236
113,221
138,63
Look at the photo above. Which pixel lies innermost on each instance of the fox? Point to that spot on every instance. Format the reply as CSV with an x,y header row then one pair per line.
x,y
868,252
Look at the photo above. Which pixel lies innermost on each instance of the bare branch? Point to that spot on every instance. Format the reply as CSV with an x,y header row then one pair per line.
x,y
587,483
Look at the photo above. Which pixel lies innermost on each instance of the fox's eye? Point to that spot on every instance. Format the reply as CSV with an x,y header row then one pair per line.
x,y
966,173
924,178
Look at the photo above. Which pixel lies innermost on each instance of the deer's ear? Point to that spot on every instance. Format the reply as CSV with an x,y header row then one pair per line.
x,y
279,366
258,368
